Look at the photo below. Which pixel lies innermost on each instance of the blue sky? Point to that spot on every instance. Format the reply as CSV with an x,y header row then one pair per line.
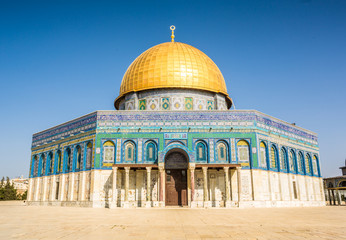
x,y
62,59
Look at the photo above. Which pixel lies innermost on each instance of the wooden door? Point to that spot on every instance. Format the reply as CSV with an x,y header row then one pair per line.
x,y
176,187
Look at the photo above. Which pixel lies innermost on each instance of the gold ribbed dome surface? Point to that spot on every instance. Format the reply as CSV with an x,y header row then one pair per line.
x,y
173,65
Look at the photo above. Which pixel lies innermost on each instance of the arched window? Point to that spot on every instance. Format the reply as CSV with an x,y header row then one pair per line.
x,y
51,163
43,166
243,151
273,157
129,151
59,161
151,152
283,159
292,160
34,166
201,151
78,157
342,184
108,152
300,162
68,160
307,163
89,154
263,155
314,165
222,151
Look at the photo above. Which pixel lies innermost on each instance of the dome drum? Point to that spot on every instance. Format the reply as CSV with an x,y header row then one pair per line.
x,y
174,100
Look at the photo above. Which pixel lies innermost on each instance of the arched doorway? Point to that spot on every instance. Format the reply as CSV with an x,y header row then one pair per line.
x,y
176,163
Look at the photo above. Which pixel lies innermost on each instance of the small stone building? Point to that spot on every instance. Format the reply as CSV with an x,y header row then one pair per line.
x,y
335,188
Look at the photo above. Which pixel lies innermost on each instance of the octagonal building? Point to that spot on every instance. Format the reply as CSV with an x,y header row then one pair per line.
x,y
172,141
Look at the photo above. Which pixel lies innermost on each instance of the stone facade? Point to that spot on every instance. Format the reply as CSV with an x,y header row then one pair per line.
x,y
117,159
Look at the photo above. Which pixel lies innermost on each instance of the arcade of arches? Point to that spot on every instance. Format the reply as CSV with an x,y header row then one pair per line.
x,y
173,183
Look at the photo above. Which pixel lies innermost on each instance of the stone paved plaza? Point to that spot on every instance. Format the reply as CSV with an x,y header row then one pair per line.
x,y
21,222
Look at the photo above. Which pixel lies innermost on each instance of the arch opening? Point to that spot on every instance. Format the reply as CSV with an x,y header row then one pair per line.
x,y
176,164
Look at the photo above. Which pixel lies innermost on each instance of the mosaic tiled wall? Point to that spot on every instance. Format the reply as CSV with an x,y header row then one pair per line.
x,y
176,128
65,130
173,99
234,119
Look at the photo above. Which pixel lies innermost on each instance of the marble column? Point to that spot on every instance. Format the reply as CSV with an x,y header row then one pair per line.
x,y
71,186
306,188
37,190
30,188
239,184
234,184
206,201
127,185
53,188
162,186
338,195
62,187
334,203
114,203
192,185
329,197
148,202
227,187
44,179
81,188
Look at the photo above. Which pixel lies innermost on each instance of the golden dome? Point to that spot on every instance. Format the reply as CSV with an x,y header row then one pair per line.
x,y
173,65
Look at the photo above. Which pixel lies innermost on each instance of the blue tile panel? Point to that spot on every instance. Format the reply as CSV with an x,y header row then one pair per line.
x,y
225,125
236,119
76,126
205,119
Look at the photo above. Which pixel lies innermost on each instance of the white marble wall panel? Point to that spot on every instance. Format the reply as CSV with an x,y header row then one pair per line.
x,y
302,187
132,186
154,185
141,187
275,186
234,184
87,186
246,186
261,185
48,189
120,189
66,188
220,192
285,193
198,185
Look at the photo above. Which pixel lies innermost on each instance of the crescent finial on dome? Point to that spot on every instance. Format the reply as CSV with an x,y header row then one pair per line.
x,y
172,36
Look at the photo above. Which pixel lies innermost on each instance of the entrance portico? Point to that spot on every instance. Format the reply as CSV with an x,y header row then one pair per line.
x,y
183,184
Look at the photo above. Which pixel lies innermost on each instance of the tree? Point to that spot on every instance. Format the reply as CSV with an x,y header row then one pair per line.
x,y
24,195
7,191
2,182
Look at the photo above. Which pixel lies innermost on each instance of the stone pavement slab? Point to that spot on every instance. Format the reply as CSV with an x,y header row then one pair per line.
x,y
18,221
